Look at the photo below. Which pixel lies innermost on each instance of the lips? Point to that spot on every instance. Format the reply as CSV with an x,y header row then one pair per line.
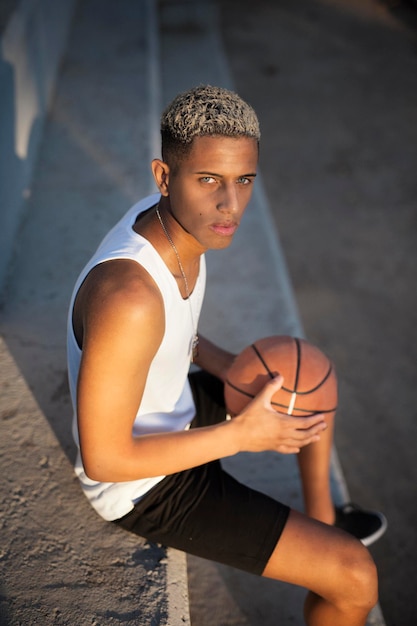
x,y
225,230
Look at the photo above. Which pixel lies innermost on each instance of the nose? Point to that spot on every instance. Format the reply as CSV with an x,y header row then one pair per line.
x,y
228,200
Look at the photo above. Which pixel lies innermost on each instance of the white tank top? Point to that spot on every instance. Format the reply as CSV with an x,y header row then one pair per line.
x,y
167,403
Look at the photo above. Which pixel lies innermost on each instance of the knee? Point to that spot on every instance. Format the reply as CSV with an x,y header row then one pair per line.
x,y
361,579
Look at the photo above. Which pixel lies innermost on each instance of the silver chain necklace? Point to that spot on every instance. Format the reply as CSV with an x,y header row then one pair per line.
x,y
194,345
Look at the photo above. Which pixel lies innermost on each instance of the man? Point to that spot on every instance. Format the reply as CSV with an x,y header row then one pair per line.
x,y
150,436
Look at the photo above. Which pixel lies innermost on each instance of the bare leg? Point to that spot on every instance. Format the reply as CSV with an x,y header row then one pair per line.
x,y
335,567
314,465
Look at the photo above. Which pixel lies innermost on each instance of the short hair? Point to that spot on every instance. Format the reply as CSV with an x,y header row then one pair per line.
x,y
205,111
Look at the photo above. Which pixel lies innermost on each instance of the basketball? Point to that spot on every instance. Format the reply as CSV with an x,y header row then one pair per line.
x,y
310,384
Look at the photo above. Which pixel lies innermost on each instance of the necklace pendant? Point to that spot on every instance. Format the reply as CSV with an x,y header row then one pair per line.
x,y
194,349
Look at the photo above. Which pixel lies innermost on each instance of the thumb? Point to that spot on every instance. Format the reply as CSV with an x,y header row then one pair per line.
x,y
271,388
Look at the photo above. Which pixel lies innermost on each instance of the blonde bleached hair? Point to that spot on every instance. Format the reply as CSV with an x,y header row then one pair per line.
x,y
205,111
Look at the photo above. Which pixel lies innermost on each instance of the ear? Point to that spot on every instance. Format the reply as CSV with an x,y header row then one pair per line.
x,y
160,171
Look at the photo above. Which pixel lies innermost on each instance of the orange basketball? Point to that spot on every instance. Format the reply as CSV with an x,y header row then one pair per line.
x,y
310,384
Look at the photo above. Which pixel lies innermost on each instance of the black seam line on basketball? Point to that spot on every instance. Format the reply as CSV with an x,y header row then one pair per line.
x,y
308,391
297,371
305,393
309,411
299,393
262,360
260,357
288,389
245,393
285,406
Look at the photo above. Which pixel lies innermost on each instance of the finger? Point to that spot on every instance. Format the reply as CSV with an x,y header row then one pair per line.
x,y
305,423
293,446
305,440
314,430
308,434
284,449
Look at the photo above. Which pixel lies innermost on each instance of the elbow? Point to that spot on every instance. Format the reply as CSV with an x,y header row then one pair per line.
x,y
111,468
94,471
98,469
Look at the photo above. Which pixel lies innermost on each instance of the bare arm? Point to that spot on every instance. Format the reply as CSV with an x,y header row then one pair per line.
x,y
213,359
122,326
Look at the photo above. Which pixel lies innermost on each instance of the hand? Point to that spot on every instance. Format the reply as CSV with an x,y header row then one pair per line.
x,y
263,428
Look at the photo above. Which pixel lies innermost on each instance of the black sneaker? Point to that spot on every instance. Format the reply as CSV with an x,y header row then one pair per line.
x,y
368,526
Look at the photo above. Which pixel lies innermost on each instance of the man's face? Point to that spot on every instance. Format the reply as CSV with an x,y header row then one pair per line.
x,y
211,187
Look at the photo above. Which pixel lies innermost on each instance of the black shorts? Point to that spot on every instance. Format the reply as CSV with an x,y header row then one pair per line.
x,y
206,512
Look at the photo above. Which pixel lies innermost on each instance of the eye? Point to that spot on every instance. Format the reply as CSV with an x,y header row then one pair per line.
x,y
207,179
243,180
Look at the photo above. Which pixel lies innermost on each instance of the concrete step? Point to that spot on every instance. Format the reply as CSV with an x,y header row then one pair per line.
x,y
61,563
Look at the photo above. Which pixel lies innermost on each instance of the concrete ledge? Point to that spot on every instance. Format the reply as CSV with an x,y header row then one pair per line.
x,y
32,45
62,564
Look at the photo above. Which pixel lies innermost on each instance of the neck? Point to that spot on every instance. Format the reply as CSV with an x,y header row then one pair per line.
x,y
194,344
187,246
186,263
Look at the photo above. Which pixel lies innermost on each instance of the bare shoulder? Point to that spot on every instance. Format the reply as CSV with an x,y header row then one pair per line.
x,y
118,294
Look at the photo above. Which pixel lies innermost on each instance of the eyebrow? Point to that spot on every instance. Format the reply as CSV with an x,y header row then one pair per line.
x,y
251,175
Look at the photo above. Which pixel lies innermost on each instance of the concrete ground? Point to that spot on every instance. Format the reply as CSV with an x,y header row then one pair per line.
x,y
340,136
